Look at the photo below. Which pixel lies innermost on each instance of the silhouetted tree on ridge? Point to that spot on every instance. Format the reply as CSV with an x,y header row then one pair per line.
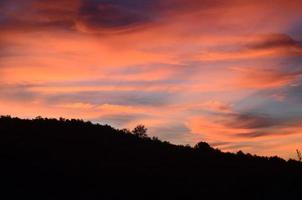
x,y
299,155
203,147
140,131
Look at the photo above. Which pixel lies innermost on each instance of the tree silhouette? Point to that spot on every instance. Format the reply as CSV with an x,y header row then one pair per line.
x,y
75,159
203,147
140,131
126,131
299,155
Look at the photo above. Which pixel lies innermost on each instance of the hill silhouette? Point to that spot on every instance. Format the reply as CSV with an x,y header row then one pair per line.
x,y
73,159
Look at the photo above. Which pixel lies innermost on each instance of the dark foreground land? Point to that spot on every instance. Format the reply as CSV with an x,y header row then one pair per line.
x,y
72,159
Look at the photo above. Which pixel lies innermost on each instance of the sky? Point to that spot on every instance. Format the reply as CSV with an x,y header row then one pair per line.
x,y
227,72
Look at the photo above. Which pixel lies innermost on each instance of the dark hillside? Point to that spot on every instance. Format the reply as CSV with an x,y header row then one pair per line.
x,y
73,159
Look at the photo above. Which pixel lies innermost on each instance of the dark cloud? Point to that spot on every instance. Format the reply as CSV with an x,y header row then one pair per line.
x,y
116,83
258,121
24,92
276,41
98,15
249,121
93,16
254,134
18,92
121,15
36,15
114,97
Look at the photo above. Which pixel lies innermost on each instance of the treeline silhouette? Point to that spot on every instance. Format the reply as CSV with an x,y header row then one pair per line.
x,y
72,159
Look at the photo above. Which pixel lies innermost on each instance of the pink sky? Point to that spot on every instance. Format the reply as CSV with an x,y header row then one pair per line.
x,y
227,72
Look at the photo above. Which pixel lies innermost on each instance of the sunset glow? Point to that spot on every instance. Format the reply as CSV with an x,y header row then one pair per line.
x,y
228,72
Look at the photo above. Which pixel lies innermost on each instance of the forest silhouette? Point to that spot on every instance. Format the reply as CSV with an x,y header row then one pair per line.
x,y
73,159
